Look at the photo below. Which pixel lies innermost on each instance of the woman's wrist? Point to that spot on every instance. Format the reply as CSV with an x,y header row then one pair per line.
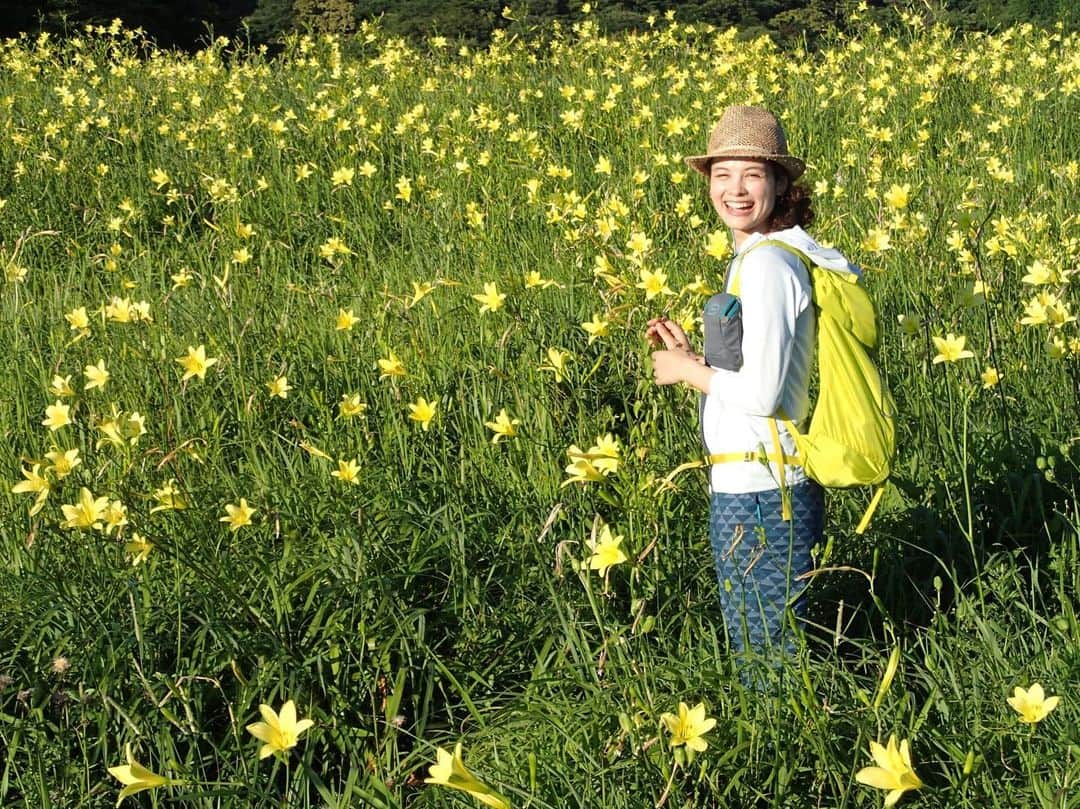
x,y
696,373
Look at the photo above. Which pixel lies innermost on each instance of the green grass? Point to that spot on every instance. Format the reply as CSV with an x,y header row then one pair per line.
x,y
439,598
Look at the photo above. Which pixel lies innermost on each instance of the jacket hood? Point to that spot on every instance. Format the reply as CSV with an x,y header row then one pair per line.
x,y
828,257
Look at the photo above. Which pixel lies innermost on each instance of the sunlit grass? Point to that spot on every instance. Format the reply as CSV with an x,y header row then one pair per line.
x,y
326,387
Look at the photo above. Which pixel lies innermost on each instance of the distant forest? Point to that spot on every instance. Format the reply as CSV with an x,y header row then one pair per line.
x,y
189,25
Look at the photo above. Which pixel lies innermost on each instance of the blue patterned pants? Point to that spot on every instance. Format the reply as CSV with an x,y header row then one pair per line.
x,y
758,556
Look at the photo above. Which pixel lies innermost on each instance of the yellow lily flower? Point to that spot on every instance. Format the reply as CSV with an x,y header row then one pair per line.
x,y
195,363
951,348
278,731
96,375
490,299
135,777
423,411
605,551
1032,704
35,483
391,366
87,513
57,415
503,426
449,771
689,726
239,515
893,771
350,405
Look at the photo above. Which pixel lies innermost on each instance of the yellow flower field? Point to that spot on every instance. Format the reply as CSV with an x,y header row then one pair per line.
x,y
326,387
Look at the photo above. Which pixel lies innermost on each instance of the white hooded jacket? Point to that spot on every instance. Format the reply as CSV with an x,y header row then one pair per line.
x,y
778,352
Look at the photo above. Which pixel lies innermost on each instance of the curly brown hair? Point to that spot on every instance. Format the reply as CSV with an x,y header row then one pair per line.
x,y
793,207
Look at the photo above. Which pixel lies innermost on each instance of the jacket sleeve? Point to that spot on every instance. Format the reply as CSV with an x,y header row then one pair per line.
x,y
774,291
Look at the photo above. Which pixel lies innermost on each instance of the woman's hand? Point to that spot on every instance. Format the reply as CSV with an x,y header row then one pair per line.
x,y
670,367
675,362
662,331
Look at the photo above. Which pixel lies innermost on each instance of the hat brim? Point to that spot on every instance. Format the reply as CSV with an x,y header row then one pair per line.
x,y
792,165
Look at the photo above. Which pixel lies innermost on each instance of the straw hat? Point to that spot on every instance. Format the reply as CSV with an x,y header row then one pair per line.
x,y
750,133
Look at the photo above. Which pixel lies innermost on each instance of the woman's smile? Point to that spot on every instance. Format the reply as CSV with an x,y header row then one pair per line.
x,y
744,194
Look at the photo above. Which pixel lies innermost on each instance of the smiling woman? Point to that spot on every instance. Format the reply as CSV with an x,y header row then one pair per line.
x,y
765,513
744,193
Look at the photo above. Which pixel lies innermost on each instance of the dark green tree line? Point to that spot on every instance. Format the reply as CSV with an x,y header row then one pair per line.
x,y
187,25
170,24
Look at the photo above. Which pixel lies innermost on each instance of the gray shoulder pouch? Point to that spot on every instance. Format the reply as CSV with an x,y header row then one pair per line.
x,y
723,332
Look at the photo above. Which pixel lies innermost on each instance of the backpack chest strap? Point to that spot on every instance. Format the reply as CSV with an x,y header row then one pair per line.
x,y
777,456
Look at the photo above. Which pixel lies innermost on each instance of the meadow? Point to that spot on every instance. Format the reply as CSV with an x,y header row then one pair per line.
x,y
324,383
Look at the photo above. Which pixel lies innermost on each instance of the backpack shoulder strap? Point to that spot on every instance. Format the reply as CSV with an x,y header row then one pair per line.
x,y
787,248
736,269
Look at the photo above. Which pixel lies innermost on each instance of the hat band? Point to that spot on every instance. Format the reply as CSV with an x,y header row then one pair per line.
x,y
750,149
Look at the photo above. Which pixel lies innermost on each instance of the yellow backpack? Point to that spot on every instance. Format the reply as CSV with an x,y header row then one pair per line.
x,y
851,439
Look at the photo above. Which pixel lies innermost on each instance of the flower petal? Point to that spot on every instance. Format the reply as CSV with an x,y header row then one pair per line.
x,y
269,716
261,731
131,789
876,777
880,755
492,800
287,716
697,743
440,771
123,774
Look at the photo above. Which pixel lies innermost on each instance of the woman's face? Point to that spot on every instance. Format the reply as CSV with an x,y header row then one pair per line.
x,y
744,193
